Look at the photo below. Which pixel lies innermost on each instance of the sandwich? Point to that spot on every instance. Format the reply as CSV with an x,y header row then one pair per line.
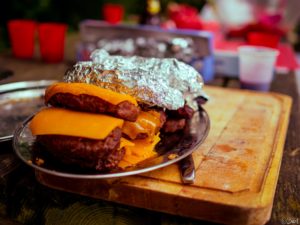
x,y
95,128
102,119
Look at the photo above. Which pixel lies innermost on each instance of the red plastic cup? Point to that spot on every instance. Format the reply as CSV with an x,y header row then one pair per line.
x,y
22,33
113,13
52,41
263,39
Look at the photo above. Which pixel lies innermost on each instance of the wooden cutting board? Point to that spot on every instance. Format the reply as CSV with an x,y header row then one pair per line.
x,y
237,166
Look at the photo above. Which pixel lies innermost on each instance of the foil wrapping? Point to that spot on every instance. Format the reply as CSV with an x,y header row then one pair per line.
x,y
179,48
167,83
185,49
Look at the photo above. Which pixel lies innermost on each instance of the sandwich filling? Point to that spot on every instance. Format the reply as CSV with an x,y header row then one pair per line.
x,y
88,89
75,134
90,98
57,121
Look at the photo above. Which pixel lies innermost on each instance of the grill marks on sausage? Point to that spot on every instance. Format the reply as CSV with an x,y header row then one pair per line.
x,y
87,103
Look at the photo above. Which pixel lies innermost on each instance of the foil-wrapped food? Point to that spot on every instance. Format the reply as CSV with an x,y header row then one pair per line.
x,y
115,111
178,47
166,83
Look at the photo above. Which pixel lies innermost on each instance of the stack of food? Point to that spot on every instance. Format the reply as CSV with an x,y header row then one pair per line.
x,y
104,119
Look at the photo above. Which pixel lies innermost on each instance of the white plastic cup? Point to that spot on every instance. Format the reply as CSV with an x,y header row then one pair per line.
x,y
256,66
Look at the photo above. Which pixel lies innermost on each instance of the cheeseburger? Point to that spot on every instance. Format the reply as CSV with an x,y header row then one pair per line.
x,y
109,115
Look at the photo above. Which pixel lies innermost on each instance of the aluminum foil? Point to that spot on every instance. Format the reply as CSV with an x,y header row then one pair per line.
x,y
180,48
167,83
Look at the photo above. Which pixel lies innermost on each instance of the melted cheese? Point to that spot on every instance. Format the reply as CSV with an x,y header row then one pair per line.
x,y
142,150
88,89
147,122
57,121
124,142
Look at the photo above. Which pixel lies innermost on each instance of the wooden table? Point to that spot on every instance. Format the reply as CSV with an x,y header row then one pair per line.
x,y
24,200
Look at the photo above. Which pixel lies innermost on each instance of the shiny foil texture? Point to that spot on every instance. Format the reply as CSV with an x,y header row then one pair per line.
x,y
167,83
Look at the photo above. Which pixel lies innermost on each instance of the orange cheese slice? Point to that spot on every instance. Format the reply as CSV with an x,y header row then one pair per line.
x,y
88,89
124,142
142,150
147,122
57,121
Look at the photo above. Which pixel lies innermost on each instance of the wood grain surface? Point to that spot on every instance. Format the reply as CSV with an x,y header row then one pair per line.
x,y
286,208
237,166
287,198
23,199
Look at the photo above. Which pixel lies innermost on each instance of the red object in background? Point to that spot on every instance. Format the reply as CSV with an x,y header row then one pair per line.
x,y
257,27
22,33
263,39
273,20
187,22
185,16
175,9
113,13
52,41
168,24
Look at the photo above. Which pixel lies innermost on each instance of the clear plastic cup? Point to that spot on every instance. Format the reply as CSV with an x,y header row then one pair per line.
x,y
256,66
22,34
52,41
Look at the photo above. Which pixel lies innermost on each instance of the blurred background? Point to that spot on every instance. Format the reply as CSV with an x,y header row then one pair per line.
x,y
224,40
221,26
229,13
71,11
